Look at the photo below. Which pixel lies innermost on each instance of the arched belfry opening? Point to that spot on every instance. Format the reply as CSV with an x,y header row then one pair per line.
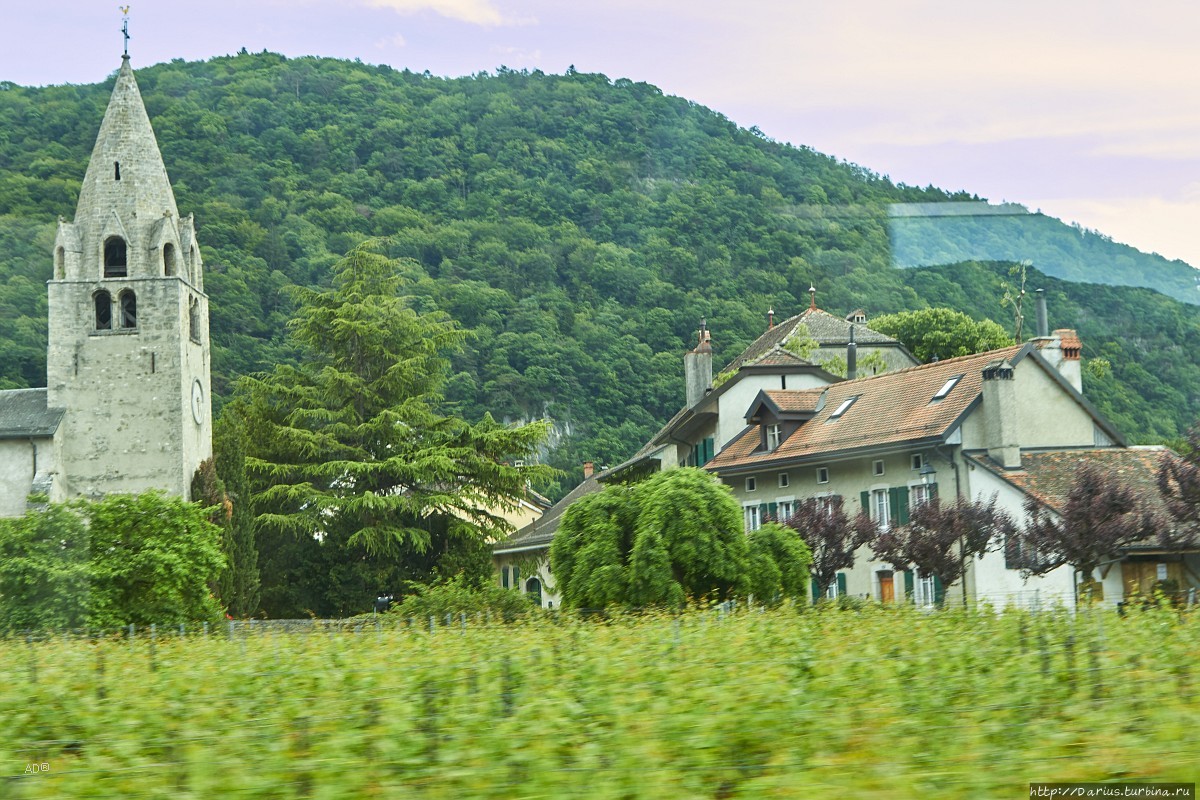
x,y
128,302
116,263
169,266
103,303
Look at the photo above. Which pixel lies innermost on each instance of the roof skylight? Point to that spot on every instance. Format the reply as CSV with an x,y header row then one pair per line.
x,y
844,407
946,387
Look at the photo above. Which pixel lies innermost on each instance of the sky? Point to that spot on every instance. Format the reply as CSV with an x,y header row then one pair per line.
x,y
1087,111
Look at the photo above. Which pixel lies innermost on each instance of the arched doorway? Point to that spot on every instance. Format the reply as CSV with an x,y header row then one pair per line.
x,y
533,588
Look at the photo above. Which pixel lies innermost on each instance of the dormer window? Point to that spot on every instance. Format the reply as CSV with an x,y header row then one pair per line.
x,y
947,387
843,408
774,436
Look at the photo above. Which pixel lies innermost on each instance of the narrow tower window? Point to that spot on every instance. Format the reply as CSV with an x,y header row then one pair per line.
x,y
103,311
60,263
115,265
128,309
117,170
169,268
194,320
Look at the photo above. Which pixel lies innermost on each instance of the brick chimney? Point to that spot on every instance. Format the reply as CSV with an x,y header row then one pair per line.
x,y
698,369
1000,414
589,468
1063,348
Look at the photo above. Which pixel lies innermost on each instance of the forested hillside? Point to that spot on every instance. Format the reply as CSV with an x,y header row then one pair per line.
x,y
581,227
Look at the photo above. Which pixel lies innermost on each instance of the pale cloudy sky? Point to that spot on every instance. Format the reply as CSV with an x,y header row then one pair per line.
x,y
1089,111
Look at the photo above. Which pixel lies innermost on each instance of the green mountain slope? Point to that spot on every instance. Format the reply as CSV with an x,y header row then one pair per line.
x,y
580,226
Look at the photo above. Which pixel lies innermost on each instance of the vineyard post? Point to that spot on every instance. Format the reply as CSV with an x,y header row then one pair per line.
x,y
153,639
32,659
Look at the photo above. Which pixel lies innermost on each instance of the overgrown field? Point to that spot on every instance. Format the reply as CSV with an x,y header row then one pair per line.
x,y
874,703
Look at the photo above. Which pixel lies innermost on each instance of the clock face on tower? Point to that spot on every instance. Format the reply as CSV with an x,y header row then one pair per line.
x,y
197,402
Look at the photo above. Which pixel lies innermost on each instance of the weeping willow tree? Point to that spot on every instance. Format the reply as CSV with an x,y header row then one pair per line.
x,y
672,538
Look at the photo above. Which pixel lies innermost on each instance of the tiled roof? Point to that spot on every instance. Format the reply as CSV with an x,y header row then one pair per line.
x,y
890,408
777,357
540,532
1048,475
830,330
825,328
23,413
765,343
805,400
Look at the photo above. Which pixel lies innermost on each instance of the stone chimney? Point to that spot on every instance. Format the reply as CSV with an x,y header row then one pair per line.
x,y
1000,414
770,318
851,357
589,468
698,369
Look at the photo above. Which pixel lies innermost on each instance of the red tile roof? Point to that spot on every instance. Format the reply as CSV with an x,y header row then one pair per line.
x,y
890,408
1048,475
802,400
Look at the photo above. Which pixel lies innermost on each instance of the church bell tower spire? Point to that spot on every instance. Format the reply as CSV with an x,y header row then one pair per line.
x,y
129,354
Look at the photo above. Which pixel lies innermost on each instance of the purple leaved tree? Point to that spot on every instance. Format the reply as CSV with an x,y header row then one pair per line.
x,y
941,538
831,535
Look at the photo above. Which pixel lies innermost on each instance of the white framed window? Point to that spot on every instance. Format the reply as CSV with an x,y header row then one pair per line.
x,y
918,461
785,509
925,590
918,493
832,591
822,474
877,467
752,517
751,484
881,508
784,480
825,503
774,436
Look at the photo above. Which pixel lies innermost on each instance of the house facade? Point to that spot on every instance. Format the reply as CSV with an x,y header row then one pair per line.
x,y
1009,424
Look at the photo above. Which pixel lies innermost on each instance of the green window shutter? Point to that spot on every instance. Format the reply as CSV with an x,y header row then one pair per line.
x,y
939,591
866,502
504,577
902,496
516,577
841,584
816,590
933,491
894,505
908,584
772,510
709,449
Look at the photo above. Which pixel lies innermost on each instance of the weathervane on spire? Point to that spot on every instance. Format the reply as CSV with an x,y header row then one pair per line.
x,y
125,27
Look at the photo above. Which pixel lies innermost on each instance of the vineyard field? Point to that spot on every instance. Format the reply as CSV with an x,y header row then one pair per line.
x,y
892,703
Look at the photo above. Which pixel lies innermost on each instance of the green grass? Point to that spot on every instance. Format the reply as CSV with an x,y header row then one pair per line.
x,y
872,703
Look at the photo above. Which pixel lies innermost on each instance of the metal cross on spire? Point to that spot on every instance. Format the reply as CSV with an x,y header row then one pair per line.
x,y
125,27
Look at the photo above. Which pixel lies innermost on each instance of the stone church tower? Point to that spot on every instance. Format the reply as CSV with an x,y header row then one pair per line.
x,y
129,358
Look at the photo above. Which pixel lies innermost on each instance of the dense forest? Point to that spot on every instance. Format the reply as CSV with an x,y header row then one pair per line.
x,y
579,226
